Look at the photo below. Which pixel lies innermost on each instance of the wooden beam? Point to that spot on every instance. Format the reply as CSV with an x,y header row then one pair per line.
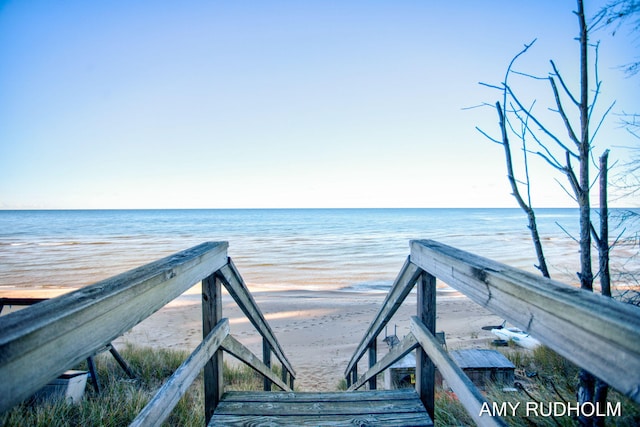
x,y
160,406
597,333
396,296
467,393
40,342
238,290
235,348
266,359
213,370
425,369
381,408
373,358
407,344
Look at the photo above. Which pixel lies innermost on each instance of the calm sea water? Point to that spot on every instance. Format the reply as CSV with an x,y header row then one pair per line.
x,y
361,249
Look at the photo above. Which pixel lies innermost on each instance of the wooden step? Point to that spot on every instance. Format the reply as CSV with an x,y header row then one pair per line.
x,y
357,408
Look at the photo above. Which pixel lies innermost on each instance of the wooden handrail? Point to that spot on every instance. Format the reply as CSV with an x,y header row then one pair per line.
x,y
461,385
597,333
236,349
19,301
39,343
406,346
161,405
239,291
402,286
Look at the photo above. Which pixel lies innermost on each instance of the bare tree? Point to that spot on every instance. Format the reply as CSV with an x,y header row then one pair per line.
x,y
525,205
617,14
570,155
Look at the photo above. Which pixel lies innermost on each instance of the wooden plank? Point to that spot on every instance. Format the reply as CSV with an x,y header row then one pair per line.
x,y
309,396
40,342
161,405
425,369
597,333
378,420
235,347
480,359
373,358
467,393
407,344
396,296
380,408
238,290
319,407
213,370
266,359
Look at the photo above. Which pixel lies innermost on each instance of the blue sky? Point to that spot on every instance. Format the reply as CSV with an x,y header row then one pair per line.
x,y
248,104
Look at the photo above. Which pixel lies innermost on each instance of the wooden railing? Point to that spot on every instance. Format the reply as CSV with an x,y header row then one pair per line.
x,y
39,343
596,333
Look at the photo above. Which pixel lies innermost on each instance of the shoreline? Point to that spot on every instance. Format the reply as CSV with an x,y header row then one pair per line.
x,y
318,330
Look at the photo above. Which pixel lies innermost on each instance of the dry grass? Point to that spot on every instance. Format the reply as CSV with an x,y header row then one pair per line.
x,y
550,378
121,398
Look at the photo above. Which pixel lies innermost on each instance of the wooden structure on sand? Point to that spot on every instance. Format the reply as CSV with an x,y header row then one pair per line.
x,y
40,342
485,367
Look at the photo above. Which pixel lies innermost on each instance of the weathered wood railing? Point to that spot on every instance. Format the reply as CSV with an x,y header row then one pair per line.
x,y
39,343
596,333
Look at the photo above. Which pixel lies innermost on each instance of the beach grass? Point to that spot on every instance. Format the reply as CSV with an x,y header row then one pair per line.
x,y
545,376
122,398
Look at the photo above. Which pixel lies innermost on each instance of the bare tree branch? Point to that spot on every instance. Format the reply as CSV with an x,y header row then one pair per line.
x,y
542,127
604,116
564,86
490,138
565,119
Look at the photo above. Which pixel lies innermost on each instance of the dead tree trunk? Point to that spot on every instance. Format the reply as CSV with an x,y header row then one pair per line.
x,y
603,240
586,380
526,207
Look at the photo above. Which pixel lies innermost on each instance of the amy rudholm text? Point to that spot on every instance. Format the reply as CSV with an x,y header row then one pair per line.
x,y
550,409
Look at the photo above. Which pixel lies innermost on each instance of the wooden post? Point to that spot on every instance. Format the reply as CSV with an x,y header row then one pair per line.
x,y
211,315
425,369
266,358
94,373
372,361
354,374
284,374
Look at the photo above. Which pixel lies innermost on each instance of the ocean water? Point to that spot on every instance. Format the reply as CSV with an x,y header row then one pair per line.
x,y
313,249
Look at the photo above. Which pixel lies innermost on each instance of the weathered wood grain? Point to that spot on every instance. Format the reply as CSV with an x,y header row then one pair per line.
x,y
40,342
425,369
362,420
161,405
467,393
401,287
213,377
309,396
235,348
597,333
373,408
407,344
238,290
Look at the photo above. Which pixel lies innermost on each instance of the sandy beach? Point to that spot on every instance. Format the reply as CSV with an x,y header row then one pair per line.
x,y
318,330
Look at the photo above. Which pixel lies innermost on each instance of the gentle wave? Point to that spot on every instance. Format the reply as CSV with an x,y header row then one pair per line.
x,y
286,249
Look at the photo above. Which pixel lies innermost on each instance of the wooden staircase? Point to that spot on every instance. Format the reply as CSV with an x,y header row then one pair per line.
x,y
359,408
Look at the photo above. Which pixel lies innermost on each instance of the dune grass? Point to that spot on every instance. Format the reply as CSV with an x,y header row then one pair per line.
x,y
122,398
543,377
547,378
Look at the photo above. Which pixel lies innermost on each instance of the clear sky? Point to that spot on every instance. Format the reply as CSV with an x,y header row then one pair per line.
x,y
251,104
